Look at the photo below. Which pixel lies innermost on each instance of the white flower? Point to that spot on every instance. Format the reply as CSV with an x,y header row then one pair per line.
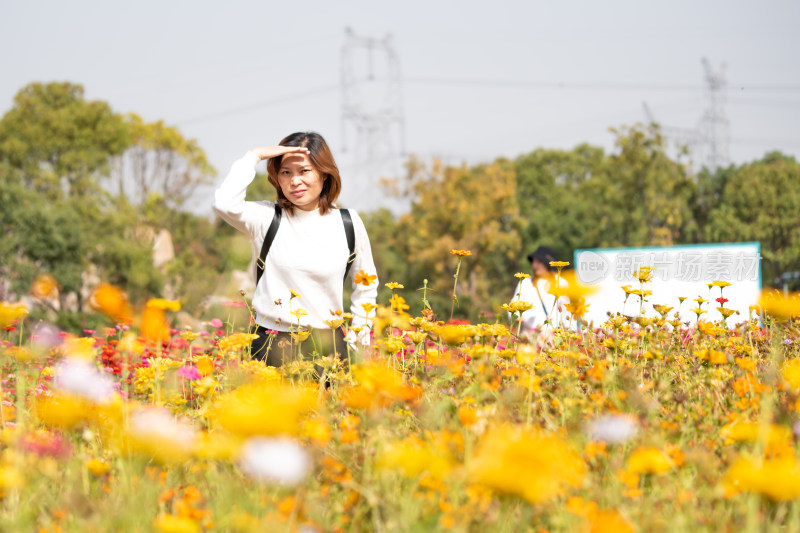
x,y
82,378
156,424
612,429
280,460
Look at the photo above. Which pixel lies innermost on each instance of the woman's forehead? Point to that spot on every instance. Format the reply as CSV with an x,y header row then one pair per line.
x,y
295,160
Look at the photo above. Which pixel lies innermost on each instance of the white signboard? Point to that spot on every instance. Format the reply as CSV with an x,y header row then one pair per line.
x,y
677,271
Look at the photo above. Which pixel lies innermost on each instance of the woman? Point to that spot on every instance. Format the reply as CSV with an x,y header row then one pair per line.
x,y
535,290
301,286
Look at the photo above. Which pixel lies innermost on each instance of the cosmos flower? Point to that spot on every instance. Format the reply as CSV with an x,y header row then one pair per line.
x,y
278,460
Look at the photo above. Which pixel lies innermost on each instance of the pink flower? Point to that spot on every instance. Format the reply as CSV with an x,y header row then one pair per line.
x,y
216,323
189,372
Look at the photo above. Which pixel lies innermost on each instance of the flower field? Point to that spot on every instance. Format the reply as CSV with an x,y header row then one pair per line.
x,y
659,422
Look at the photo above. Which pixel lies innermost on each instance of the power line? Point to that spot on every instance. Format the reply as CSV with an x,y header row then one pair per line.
x,y
614,85
496,84
258,105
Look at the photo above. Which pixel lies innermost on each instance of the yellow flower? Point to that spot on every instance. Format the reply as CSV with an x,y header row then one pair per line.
x,y
62,410
294,294
333,324
97,467
300,336
517,306
644,274
744,431
394,344
720,284
776,304
559,264
377,386
79,348
299,313
662,309
166,305
455,334
235,342
10,479
204,364
392,285
648,460
776,478
130,343
368,307
417,336
168,523
262,409
11,312
189,336
413,457
627,288
790,372
521,275
535,465
461,253
362,278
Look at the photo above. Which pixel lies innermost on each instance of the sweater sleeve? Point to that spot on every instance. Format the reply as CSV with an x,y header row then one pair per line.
x,y
229,198
363,261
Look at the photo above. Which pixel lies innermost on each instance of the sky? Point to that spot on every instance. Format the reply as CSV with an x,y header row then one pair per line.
x,y
479,80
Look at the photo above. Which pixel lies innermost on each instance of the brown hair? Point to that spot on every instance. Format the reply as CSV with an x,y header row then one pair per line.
x,y
323,162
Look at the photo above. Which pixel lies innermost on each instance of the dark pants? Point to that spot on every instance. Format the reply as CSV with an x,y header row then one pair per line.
x,y
281,348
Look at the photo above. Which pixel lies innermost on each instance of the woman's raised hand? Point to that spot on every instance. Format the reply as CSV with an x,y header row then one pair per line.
x,y
267,152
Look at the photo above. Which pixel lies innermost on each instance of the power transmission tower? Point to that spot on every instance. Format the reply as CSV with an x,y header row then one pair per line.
x,y
681,137
709,139
714,125
373,123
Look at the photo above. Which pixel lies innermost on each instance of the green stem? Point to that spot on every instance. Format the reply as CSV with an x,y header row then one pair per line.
x,y
455,283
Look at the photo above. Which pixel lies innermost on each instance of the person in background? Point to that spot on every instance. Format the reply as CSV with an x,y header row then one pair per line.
x,y
547,311
301,283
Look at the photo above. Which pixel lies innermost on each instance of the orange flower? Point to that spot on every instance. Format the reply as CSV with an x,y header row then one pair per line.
x,y
112,302
154,326
44,287
362,278
398,303
461,253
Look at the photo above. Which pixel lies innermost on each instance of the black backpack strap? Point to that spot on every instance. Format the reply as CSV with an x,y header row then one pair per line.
x,y
351,239
268,238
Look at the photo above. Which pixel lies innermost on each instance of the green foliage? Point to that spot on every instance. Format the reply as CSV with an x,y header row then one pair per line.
x,y
160,160
760,201
56,151
58,140
261,189
460,208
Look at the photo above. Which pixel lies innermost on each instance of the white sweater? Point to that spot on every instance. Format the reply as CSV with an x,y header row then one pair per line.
x,y
309,256
542,309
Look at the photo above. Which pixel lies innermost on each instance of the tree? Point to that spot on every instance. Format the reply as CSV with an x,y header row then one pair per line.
x,y
641,197
160,160
552,204
58,140
463,208
761,202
